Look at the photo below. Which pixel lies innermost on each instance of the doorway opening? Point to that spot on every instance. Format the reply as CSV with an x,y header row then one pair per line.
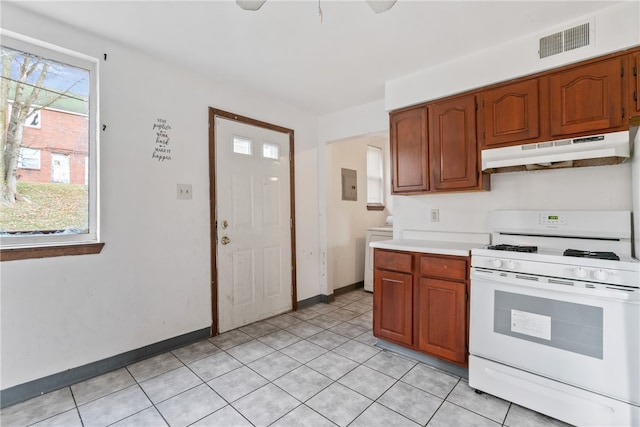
x,y
253,263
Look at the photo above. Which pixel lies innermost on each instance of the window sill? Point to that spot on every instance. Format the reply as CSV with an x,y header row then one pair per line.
x,y
375,207
50,251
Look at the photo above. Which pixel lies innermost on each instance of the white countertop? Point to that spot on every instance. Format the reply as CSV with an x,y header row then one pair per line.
x,y
428,246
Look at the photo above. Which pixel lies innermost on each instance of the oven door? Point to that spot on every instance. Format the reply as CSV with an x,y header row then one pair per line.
x,y
572,334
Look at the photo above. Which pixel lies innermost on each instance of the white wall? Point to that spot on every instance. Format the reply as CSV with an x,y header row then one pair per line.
x,y
152,280
364,120
616,28
589,188
348,220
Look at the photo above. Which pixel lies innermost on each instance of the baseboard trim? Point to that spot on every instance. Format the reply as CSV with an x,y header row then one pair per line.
x,y
325,299
349,288
31,389
424,358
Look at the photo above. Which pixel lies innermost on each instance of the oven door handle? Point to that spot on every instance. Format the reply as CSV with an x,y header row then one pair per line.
x,y
551,284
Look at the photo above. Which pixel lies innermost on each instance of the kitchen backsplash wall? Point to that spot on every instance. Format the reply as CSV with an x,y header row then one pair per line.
x,y
593,188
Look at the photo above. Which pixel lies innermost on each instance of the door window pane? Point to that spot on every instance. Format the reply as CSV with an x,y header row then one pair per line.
x,y
270,151
242,146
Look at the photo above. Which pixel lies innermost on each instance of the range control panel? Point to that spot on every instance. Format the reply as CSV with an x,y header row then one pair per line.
x,y
552,219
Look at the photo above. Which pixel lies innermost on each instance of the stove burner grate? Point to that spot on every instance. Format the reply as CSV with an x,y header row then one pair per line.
x,y
513,248
588,254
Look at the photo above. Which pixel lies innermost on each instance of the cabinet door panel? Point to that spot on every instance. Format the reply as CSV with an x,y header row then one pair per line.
x,y
393,306
442,319
452,143
409,151
511,113
634,88
587,98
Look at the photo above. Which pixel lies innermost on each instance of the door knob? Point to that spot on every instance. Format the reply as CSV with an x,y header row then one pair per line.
x,y
225,224
225,240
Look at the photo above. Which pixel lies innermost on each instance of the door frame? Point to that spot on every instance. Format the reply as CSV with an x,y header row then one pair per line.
x,y
213,113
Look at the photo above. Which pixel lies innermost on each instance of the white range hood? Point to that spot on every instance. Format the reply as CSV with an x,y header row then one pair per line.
x,y
616,144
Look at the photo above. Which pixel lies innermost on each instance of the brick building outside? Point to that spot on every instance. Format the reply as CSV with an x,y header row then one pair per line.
x,y
54,147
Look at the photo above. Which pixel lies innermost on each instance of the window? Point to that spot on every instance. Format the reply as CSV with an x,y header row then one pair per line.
x,y
29,158
375,181
58,86
242,146
270,151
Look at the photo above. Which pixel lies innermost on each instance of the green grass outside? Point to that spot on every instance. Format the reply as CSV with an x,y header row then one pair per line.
x,y
46,206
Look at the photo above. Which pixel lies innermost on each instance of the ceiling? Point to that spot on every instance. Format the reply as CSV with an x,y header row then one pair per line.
x,y
287,52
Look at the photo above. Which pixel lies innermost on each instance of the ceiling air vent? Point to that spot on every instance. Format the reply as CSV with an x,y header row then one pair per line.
x,y
564,41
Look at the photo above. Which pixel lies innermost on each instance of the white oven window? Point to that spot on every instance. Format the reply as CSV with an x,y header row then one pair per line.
x,y
577,328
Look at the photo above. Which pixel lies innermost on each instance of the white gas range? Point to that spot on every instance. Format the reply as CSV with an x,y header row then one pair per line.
x,y
555,315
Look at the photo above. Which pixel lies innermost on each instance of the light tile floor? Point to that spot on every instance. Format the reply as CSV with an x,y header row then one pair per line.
x,y
315,367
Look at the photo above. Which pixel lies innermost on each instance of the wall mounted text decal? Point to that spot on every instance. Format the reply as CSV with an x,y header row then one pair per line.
x,y
162,152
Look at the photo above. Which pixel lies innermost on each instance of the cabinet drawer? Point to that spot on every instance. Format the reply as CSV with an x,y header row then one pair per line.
x,y
390,260
446,268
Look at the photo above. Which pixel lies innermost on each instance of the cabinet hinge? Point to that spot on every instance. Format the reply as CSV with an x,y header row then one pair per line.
x,y
635,95
635,70
476,106
623,112
466,296
622,72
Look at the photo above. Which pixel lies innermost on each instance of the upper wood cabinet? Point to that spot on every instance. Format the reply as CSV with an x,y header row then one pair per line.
x,y
586,98
634,85
510,113
409,151
453,147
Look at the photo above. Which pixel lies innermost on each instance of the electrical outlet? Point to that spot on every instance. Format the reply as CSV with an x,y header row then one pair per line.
x,y
184,191
435,215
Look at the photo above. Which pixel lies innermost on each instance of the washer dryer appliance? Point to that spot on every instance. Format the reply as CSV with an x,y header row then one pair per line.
x,y
374,234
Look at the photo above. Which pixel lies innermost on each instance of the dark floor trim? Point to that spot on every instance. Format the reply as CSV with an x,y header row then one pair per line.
x,y
428,360
325,299
31,389
348,288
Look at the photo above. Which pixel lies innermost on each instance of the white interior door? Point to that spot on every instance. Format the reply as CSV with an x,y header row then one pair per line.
x,y
253,223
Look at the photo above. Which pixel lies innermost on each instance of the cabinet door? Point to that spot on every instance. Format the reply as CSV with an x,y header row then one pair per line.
x,y
587,98
409,151
453,145
442,319
511,113
634,87
393,306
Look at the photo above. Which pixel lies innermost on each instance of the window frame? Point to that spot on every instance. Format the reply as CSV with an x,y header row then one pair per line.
x,y
376,206
47,245
21,158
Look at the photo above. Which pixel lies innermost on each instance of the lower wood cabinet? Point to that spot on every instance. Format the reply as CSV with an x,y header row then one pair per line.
x,y
442,316
420,301
393,306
